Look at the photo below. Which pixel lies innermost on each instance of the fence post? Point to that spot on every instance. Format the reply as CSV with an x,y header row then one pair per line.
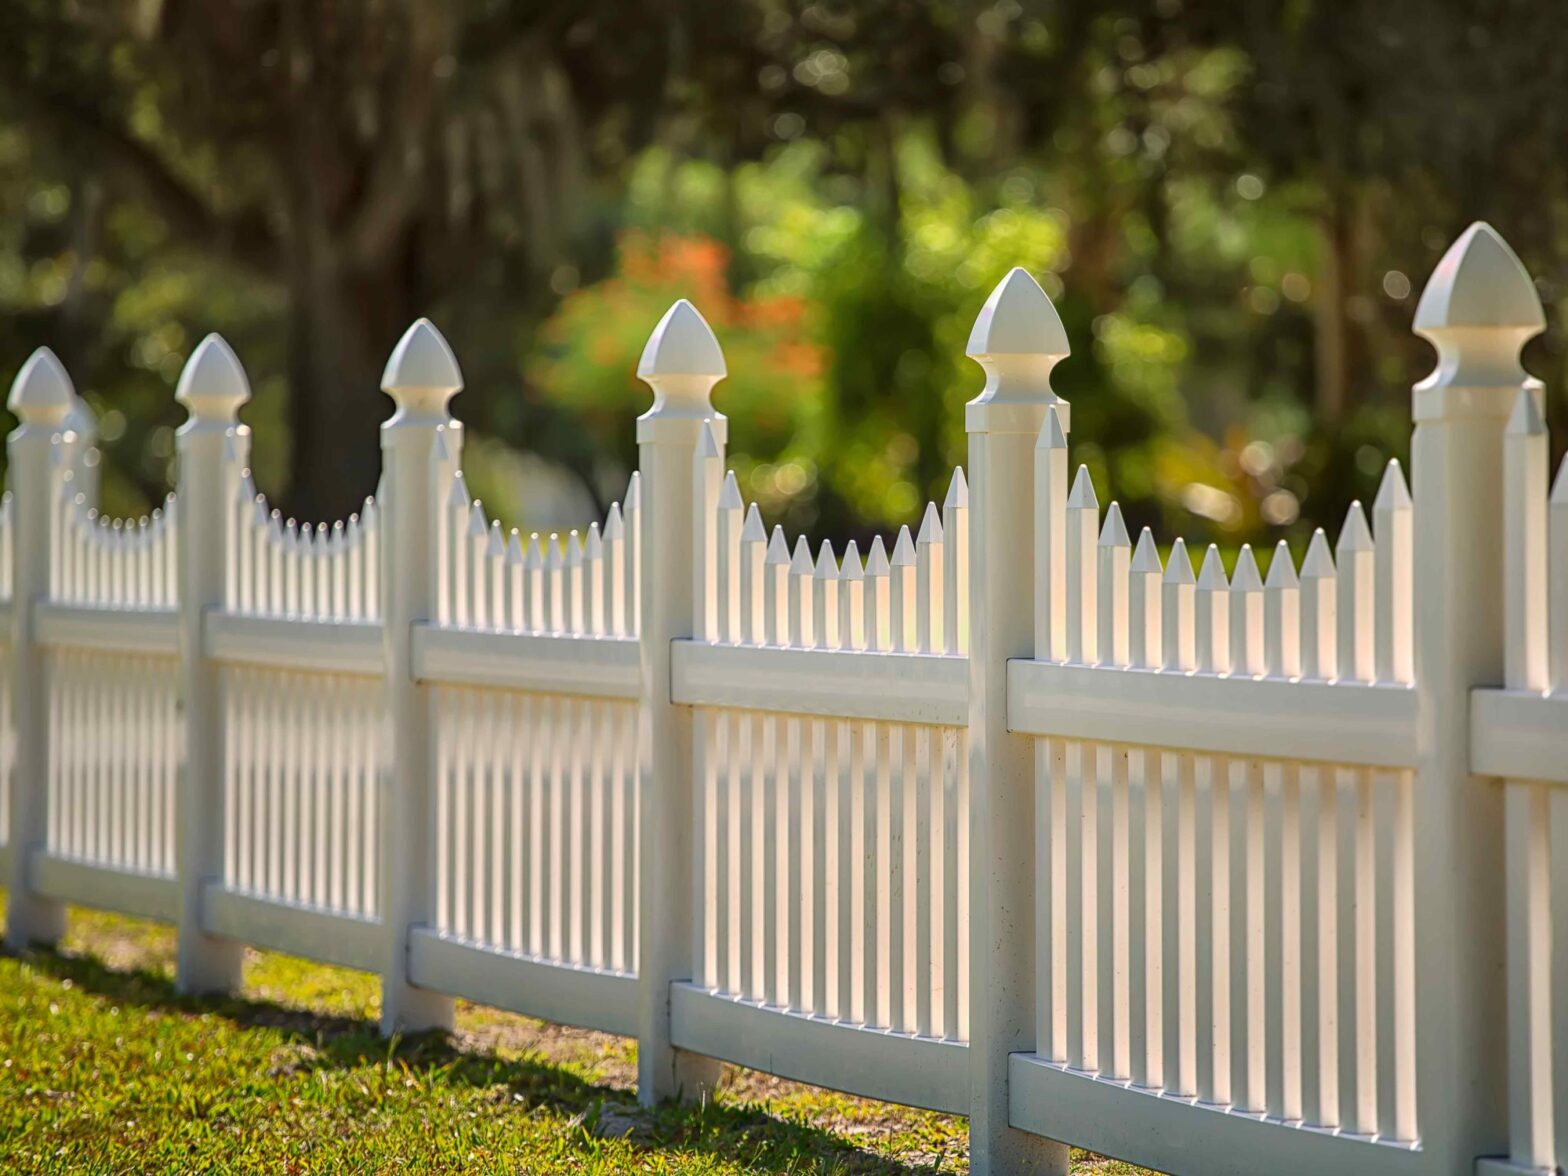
x,y
421,377
1017,339
681,363
1478,309
42,398
212,388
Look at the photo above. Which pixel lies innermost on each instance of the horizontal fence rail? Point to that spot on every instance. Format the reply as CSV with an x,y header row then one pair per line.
x,y
1186,861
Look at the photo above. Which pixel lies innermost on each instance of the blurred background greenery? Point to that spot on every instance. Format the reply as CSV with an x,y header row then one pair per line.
x,y
1234,205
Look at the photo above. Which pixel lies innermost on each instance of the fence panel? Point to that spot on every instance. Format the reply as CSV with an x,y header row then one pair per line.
x,y
829,841
1516,737
536,799
1183,866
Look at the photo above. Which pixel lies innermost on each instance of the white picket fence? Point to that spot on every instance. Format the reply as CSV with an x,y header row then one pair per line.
x,y
1007,817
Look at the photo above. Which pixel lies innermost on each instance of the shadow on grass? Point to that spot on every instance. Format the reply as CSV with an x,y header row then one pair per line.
x,y
746,1135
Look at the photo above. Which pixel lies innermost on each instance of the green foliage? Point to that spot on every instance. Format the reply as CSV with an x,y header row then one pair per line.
x,y
1234,211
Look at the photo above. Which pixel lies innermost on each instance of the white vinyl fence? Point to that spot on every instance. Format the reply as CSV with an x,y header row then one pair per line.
x,y
1009,816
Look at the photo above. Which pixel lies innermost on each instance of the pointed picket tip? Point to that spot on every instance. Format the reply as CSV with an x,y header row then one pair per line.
x,y
903,549
633,498
957,491
876,559
1392,493
1211,577
1355,535
682,344
1560,486
800,562
1525,419
1319,564
778,547
707,443
1082,496
1246,577
595,547
614,524
496,547
1017,319
213,384
574,547
1480,282
457,498
827,564
554,556
729,493
534,557
930,526
514,547
1114,532
477,523
422,361
1178,569
1146,556
42,392
752,530
852,568
1051,434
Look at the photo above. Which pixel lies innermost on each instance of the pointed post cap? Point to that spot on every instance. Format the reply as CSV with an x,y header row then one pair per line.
x,y
1480,282
1479,309
212,385
681,362
42,394
422,376
1017,338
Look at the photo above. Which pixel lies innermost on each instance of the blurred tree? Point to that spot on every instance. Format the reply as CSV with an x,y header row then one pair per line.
x,y
365,159
1233,206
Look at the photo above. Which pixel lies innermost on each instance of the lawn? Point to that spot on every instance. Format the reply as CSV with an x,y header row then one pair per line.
x,y
103,1067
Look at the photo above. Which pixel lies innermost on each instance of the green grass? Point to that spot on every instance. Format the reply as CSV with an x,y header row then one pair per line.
x,y
104,1068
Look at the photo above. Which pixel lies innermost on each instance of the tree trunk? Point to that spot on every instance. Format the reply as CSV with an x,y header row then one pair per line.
x,y
343,325
1330,339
